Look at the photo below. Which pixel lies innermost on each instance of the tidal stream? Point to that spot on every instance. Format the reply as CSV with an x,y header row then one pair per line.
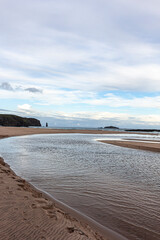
x,y
117,187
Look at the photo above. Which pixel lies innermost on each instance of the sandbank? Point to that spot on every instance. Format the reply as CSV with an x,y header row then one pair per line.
x,y
153,146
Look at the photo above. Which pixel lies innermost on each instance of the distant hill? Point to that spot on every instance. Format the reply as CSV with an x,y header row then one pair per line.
x,y
111,127
16,121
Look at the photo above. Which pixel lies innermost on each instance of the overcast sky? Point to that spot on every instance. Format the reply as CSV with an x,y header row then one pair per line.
x,y
81,62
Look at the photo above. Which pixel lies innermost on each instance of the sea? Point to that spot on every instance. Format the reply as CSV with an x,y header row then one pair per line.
x,y
117,187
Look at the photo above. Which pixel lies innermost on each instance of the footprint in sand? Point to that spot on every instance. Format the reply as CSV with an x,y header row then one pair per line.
x,y
47,206
73,229
52,214
44,238
41,201
21,185
34,205
26,197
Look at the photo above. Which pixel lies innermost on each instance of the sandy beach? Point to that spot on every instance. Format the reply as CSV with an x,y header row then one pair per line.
x,y
149,146
27,213
19,131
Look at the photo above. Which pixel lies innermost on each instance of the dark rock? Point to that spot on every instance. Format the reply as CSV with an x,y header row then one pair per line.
x,y
111,127
16,121
142,130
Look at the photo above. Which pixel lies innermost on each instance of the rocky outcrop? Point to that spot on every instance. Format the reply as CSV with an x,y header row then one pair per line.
x,y
142,130
111,127
16,121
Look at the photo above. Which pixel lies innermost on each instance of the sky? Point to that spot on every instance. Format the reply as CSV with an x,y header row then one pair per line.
x,y
81,63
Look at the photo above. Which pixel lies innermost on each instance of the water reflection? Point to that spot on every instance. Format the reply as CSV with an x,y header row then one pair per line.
x,y
118,187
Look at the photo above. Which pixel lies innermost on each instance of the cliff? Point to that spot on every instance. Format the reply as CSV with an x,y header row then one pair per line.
x,y
16,121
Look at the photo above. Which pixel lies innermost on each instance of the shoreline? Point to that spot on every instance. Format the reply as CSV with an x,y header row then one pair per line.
x,y
28,198
21,131
32,210
139,145
36,212
77,225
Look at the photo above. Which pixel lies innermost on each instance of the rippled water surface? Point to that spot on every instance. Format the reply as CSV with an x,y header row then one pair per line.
x,y
118,187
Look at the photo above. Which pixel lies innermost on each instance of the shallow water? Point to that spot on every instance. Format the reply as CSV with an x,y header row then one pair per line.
x,y
118,187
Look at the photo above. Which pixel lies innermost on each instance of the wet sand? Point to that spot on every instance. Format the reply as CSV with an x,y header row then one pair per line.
x,y
153,146
27,213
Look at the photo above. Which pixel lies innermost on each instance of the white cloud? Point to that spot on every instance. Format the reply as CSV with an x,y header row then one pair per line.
x,y
94,67
48,45
51,51
24,107
59,97
120,119
134,102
